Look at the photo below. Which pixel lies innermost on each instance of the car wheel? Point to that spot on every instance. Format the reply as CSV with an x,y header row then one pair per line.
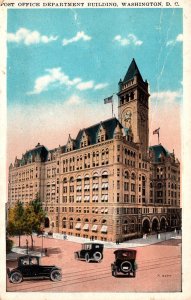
x,y
87,258
55,275
126,266
97,256
16,277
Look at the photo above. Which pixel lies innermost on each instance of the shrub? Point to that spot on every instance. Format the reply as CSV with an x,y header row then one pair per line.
x,y
9,245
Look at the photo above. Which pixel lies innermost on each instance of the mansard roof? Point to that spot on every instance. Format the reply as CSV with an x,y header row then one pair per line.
x,y
109,126
38,150
132,71
159,151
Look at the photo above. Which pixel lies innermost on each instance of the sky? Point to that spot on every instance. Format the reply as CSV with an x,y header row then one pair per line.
x,y
62,63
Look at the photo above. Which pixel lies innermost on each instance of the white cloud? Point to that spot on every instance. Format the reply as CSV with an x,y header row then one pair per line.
x,y
166,96
100,86
130,39
79,36
85,85
178,39
29,37
74,100
56,76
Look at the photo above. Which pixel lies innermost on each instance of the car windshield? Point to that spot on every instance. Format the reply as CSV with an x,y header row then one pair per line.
x,y
126,254
29,261
33,261
86,246
24,261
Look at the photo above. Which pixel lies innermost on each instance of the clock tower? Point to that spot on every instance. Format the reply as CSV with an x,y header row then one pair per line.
x,y
133,109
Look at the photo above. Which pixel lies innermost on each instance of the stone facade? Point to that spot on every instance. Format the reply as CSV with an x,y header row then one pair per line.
x,y
106,184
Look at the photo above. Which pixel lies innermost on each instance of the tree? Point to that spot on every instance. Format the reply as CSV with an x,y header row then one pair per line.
x,y
16,222
34,218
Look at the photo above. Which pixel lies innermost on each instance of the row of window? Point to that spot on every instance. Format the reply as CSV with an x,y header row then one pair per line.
x,y
79,199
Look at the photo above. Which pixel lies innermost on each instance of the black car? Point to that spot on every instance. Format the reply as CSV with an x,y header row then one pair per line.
x,y
90,252
125,262
29,267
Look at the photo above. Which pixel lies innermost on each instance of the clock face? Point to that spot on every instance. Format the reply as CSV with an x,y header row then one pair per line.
x,y
127,116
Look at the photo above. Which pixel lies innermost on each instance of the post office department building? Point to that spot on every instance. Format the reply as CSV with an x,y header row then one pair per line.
x,y
107,183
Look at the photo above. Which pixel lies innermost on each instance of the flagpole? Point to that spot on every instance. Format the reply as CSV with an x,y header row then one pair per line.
x,y
112,107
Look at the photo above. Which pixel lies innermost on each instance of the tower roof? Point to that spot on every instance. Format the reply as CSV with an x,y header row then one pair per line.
x,y
132,71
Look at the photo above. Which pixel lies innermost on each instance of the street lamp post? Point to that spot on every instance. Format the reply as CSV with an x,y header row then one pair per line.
x,y
27,244
42,244
42,232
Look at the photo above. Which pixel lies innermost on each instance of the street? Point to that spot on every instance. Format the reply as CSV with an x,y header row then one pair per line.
x,y
159,269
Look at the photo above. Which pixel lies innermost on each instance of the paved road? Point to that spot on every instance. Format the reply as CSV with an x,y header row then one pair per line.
x,y
159,270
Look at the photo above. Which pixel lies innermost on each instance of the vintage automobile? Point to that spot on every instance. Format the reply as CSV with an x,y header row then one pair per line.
x,y
90,252
29,268
125,262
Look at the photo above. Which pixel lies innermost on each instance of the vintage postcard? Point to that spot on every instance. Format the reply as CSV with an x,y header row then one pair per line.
x,y
95,149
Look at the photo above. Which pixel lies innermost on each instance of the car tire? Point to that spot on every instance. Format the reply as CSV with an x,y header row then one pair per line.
x,y
16,277
97,256
55,275
126,267
87,258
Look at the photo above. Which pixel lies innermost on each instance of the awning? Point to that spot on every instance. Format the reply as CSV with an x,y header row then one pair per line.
x,y
87,198
95,186
104,185
86,227
78,198
87,187
104,197
102,210
78,188
78,226
95,197
104,229
106,210
94,227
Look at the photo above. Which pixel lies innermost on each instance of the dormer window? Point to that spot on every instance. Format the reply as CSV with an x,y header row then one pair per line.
x,y
101,136
84,140
49,156
70,144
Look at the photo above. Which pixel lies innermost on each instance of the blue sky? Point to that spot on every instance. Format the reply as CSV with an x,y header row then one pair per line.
x,y
75,57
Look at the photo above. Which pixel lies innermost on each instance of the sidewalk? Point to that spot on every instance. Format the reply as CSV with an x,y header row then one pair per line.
x,y
145,241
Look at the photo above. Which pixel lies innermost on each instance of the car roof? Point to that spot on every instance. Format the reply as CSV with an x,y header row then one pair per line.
x,y
124,250
93,244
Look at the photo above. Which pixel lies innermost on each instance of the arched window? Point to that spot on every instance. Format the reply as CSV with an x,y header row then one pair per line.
x,y
64,222
71,223
133,176
126,175
104,174
79,179
71,179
